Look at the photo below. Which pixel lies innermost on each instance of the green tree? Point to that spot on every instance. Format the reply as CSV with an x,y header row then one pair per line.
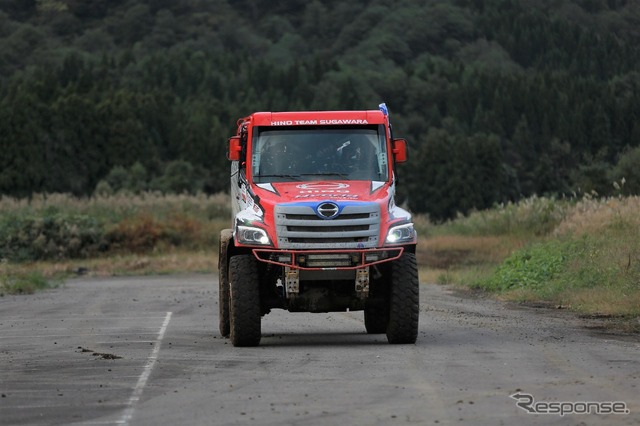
x,y
19,9
179,177
548,99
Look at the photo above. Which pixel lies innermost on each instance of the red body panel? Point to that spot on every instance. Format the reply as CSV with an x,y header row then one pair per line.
x,y
321,118
291,192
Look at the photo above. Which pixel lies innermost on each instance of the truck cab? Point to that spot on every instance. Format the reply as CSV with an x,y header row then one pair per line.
x,y
315,227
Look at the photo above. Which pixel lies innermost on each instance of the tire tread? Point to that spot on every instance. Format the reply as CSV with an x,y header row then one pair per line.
x,y
245,314
223,280
404,303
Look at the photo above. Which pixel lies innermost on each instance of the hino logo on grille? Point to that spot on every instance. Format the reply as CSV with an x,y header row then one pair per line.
x,y
328,210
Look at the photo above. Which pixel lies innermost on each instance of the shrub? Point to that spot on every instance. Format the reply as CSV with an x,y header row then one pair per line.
x,y
51,236
530,268
137,234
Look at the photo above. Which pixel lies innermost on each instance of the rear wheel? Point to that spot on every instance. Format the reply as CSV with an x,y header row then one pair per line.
x,y
245,314
223,280
404,303
376,319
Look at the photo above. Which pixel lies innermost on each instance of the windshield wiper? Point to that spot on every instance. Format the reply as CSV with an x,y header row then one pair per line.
x,y
340,175
293,177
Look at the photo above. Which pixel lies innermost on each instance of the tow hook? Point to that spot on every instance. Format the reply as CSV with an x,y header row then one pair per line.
x,y
362,282
292,281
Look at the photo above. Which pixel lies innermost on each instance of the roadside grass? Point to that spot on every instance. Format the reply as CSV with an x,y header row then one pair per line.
x,y
174,262
27,282
60,227
467,249
578,254
50,238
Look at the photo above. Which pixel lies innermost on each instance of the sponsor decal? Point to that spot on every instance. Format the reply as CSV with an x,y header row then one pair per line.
x,y
267,187
338,121
375,185
243,193
328,195
323,185
246,201
326,189
316,122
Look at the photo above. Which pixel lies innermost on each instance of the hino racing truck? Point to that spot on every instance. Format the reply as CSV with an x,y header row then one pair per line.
x,y
315,226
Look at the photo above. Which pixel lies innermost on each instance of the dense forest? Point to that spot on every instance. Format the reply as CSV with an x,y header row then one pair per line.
x,y
500,99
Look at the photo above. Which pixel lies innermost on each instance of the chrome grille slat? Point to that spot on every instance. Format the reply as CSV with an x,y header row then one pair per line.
x,y
299,227
329,222
345,234
316,218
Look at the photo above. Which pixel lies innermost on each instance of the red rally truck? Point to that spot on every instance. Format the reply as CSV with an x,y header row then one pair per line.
x,y
315,227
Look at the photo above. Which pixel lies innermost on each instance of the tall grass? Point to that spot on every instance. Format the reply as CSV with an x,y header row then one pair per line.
x,y
118,206
60,226
25,282
531,217
579,253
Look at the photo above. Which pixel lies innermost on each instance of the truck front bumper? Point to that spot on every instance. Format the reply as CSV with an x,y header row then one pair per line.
x,y
328,260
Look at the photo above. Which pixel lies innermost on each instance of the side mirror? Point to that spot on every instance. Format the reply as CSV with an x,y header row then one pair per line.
x,y
400,150
233,154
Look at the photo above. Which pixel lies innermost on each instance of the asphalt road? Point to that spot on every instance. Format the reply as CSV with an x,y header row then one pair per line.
x,y
145,351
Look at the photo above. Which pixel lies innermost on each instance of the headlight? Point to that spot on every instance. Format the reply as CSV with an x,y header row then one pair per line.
x,y
400,234
252,236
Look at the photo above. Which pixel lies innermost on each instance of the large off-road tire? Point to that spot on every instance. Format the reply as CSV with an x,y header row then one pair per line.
x,y
376,319
223,280
404,300
245,314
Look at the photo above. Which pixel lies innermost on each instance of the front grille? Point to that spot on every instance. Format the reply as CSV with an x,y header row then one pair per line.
x,y
299,227
329,228
343,216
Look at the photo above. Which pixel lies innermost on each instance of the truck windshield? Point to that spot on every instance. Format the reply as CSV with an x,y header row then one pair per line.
x,y
311,153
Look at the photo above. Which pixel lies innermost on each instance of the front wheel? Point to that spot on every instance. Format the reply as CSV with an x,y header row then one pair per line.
x,y
223,281
245,314
404,303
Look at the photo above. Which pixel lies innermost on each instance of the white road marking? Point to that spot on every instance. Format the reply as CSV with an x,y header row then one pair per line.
x,y
142,380
65,406
72,335
72,317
